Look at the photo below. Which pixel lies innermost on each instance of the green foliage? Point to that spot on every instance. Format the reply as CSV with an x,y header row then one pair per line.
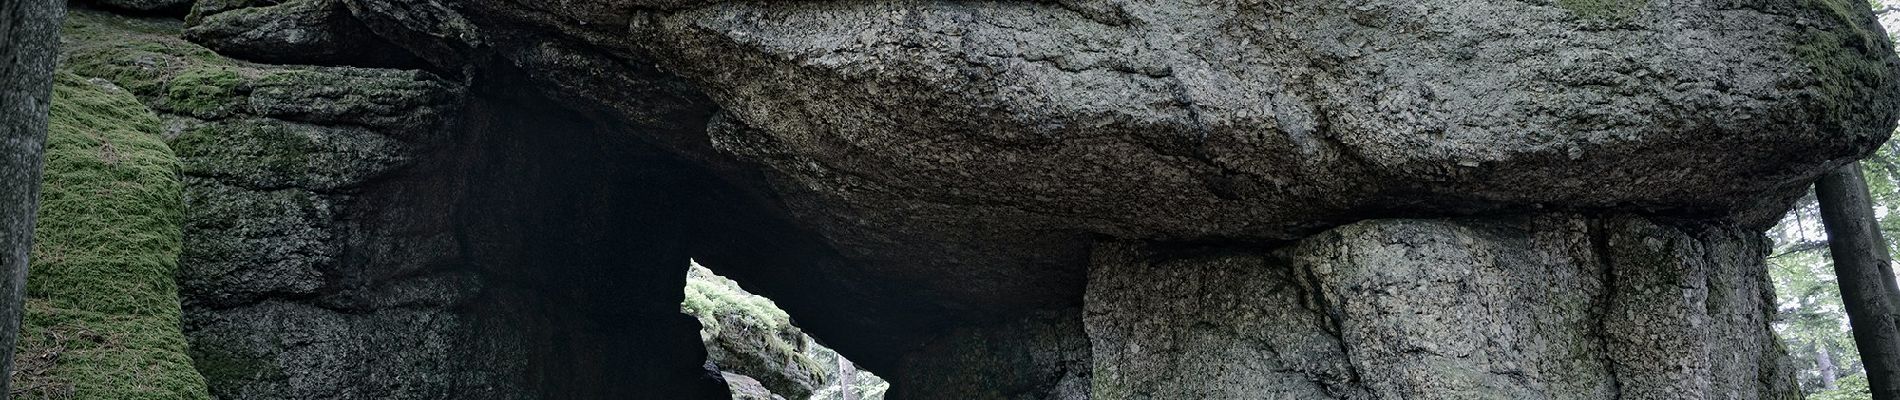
x,y
1851,388
102,316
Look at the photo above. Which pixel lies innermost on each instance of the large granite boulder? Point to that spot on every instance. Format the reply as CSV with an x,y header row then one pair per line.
x,y
972,151
1011,195
355,233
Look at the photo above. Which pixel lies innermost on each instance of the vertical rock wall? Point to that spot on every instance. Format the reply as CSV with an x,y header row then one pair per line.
x,y
1043,356
1551,306
356,233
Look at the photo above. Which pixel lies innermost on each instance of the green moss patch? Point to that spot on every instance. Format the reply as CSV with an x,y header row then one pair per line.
x,y
205,92
1846,60
247,148
138,55
103,318
749,335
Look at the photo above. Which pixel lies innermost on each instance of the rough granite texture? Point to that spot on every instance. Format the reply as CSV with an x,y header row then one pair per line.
x,y
145,6
1553,306
356,233
915,179
272,158
293,32
1042,357
973,150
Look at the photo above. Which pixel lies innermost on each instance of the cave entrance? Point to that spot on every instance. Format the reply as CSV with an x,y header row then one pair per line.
x,y
760,353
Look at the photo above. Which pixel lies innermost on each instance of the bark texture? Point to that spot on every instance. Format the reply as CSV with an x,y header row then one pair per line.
x,y
29,43
1866,275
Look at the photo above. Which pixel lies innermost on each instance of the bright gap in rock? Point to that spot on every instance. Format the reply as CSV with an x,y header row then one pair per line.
x,y
758,351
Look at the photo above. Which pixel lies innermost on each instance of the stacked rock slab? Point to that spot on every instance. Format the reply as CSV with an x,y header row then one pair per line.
x,y
390,234
969,153
1168,193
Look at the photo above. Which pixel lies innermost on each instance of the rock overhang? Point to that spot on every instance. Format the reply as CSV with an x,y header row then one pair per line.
x,y
957,159
1231,119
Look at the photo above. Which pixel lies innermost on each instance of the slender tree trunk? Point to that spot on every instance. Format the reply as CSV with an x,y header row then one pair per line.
x,y
1825,362
1865,273
847,379
29,36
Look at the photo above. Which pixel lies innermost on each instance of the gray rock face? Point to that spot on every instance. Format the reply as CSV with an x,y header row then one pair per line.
x,y
1223,118
1042,357
362,233
1552,306
278,164
293,32
972,151
746,388
941,186
146,5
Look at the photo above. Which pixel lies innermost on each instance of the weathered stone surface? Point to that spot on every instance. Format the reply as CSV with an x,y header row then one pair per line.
x,y
926,178
970,152
146,5
1228,118
1552,306
294,32
1042,357
379,234
761,353
746,388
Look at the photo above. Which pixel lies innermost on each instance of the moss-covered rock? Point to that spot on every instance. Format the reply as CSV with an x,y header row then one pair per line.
x,y
274,160
319,32
763,355
1845,62
103,317
748,335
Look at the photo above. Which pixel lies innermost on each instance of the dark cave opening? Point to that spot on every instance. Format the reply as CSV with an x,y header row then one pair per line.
x,y
582,235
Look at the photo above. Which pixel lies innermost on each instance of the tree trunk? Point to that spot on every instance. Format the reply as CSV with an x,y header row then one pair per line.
x,y
29,37
1866,276
1824,361
847,379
